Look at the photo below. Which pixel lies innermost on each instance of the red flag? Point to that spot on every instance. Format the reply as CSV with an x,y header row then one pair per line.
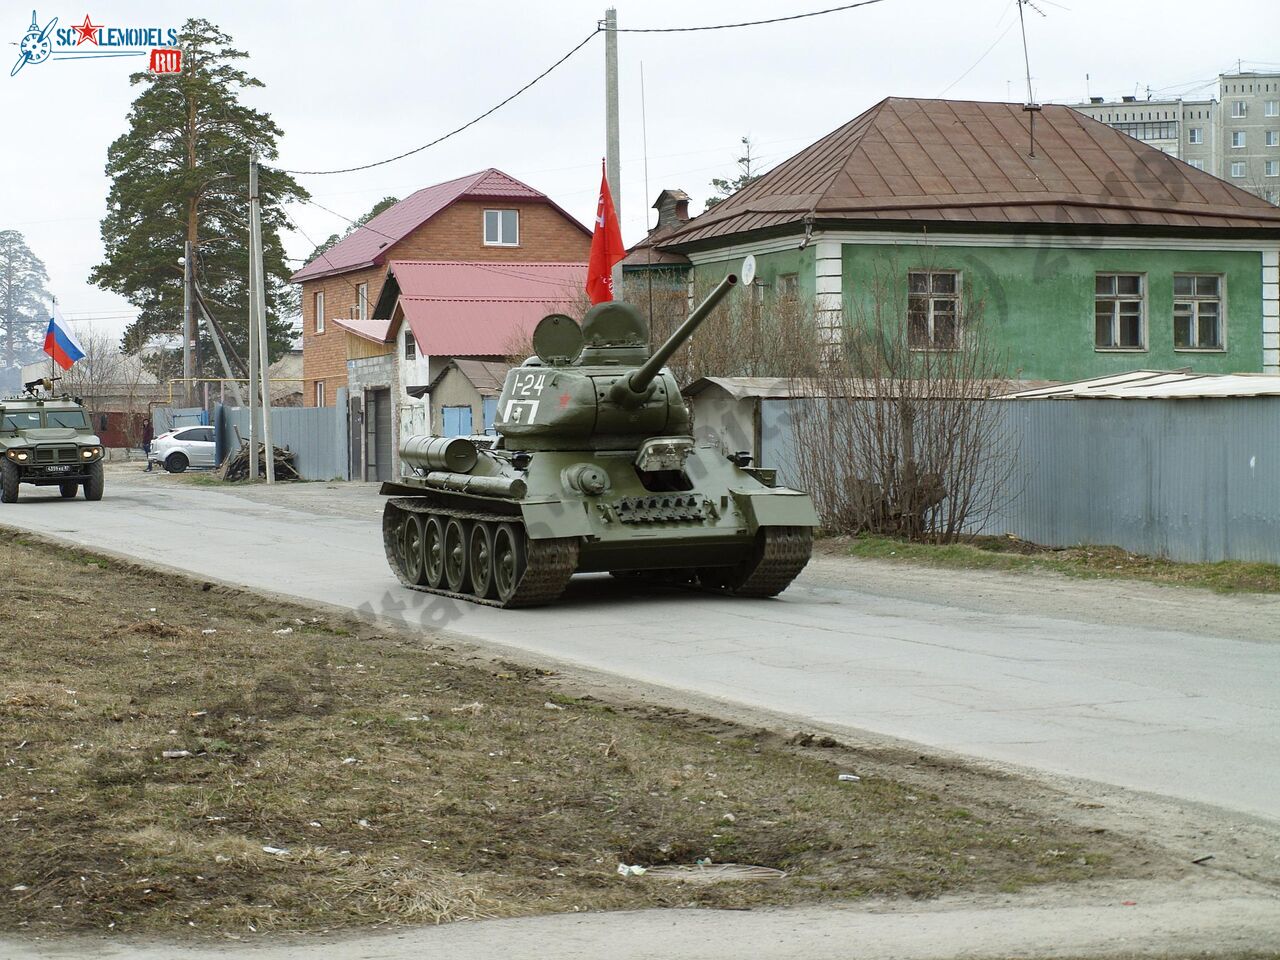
x,y
606,246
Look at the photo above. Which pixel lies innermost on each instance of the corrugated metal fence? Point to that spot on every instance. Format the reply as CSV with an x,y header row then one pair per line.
x,y
317,435
1189,479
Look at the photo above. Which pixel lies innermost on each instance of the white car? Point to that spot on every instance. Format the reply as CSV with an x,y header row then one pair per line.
x,y
184,447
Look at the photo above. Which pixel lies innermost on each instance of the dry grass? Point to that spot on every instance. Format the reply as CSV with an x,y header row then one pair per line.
x,y
1012,554
337,778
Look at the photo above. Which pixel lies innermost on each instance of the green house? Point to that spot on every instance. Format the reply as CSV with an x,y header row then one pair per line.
x,y
1084,251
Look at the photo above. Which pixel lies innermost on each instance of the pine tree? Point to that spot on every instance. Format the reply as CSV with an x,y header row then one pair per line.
x,y
180,173
24,300
727,188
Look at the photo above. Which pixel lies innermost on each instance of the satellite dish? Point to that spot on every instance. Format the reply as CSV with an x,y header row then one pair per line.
x,y
557,339
748,270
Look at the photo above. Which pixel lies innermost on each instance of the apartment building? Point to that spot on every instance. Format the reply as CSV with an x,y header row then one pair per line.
x,y
1235,137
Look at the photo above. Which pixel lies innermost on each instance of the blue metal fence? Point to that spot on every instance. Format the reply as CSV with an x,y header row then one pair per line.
x,y
1188,479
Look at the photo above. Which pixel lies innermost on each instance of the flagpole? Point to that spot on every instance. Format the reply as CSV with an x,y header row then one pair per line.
x,y
613,163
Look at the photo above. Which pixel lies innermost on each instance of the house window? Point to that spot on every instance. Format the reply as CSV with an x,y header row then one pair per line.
x,y
1118,312
319,298
410,345
1237,109
788,286
1198,164
501,228
1197,312
933,309
1271,168
1273,138
1195,135
1237,139
319,393
1271,108
362,301
1237,169
1271,196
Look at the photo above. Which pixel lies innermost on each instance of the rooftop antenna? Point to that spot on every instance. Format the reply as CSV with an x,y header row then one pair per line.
x,y
1031,106
1088,94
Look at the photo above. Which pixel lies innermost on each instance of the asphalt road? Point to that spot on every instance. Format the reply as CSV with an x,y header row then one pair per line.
x,y
1163,690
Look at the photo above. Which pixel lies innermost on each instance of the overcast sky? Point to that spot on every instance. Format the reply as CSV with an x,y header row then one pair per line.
x,y
353,82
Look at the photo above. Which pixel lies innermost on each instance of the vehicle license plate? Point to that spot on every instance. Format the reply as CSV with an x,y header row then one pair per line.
x,y
59,468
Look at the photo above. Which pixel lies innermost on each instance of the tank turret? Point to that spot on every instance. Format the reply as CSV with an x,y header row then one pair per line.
x,y
594,468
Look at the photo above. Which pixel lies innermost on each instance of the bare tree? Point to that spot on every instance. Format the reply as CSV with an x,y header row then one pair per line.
x,y
110,381
899,432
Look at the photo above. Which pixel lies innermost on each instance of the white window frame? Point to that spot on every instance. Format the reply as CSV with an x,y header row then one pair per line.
x,y
1198,164
1273,138
410,345
1239,169
501,238
1193,303
362,301
1271,168
1237,139
1116,299
1239,109
1271,108
318,301
320,393
931,313
1195,135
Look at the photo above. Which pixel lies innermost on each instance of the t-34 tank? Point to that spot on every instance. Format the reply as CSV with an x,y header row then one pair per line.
x,y
594,469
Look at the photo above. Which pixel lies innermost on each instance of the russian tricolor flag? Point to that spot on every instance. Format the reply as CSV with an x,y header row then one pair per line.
x,y
60,343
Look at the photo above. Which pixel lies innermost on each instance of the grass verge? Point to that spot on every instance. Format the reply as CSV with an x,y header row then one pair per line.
x,y
1009,553
179,755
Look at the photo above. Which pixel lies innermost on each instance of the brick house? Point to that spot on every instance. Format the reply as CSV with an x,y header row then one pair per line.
x,y
487,216
434,316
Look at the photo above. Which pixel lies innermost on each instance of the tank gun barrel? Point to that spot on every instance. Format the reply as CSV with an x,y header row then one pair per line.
x,y
632,387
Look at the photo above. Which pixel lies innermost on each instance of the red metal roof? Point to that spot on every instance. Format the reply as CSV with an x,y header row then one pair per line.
x,y
377,331
369,244
966,161
481,309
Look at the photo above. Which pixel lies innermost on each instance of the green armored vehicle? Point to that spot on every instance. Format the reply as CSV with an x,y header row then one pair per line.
x,y
47,441
594,469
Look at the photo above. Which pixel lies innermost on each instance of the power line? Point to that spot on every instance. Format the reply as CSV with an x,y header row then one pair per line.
x,y
748,23
457,130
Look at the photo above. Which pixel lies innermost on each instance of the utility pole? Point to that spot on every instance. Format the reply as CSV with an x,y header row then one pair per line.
x,y
613,163
258,292
253,324
188,325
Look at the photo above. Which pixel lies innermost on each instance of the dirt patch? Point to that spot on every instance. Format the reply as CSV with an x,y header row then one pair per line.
x,y
1011,554
185,757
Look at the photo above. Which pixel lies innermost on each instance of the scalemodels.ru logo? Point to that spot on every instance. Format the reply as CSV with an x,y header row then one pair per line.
x,y
89,40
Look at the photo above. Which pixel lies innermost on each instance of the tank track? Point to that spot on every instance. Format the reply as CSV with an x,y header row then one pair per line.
x,y
780,556
777,557
548,563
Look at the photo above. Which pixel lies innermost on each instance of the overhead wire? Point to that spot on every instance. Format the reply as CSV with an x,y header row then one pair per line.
x,y
457,130
749,23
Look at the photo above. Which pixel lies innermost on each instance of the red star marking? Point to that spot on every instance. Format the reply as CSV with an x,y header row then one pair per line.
x,y
564,399
88,31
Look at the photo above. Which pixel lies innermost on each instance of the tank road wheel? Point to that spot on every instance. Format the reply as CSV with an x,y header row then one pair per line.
x,y
411,548
508,561
480,559
68,489
433,552
455,555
